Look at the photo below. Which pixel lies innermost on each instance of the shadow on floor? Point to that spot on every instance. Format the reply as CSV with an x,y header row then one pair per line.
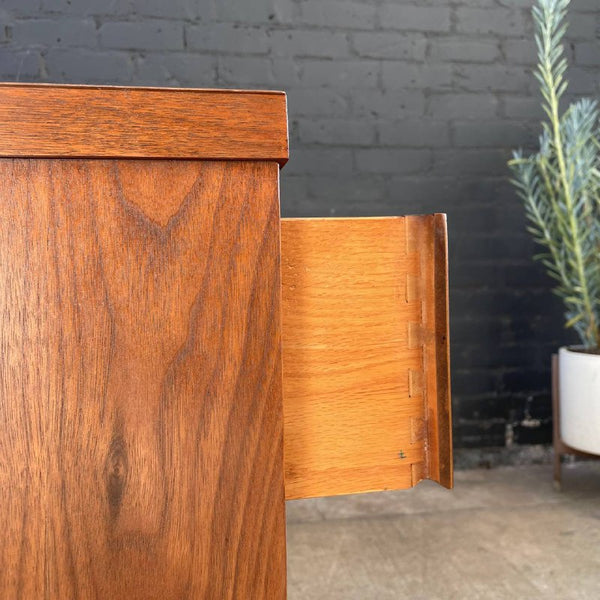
x,y
500,534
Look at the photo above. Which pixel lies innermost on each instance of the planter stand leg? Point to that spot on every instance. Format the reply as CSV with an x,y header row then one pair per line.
x,y
556,441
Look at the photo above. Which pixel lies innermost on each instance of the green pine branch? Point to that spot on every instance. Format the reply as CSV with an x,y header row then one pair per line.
x,y
560,184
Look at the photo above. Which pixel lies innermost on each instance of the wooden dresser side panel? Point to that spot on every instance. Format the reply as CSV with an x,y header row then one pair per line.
x,y
140,380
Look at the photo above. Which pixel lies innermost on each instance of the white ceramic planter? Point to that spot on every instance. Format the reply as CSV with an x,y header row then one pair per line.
x,y
579,393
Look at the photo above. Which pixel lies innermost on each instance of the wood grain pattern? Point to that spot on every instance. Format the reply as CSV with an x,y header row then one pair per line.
x,y
140,381
118,122
441,467
365,354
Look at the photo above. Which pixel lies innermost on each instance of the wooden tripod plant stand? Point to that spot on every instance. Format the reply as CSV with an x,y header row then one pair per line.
x,y
151,425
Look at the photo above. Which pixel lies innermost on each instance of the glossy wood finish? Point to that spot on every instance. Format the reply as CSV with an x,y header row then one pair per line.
x,y
140,379
365,354
430,239
109,122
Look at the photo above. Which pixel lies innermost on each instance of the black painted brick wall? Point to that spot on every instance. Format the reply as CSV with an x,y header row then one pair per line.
x,y
395,107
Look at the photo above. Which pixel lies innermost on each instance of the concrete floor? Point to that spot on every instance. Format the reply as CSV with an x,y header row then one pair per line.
x,y
500,534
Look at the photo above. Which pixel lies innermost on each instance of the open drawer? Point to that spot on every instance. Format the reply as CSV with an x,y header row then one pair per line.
x,y
365,354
